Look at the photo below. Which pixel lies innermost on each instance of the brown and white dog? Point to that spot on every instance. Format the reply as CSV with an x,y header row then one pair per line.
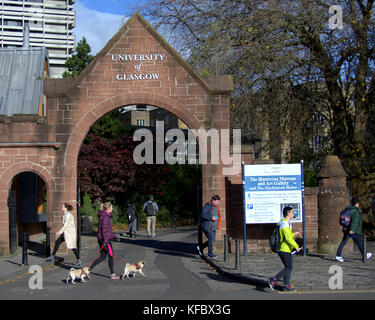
x,y
133,268
79,273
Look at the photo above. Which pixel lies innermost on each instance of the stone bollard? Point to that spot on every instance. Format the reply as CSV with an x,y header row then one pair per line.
x,y
332,198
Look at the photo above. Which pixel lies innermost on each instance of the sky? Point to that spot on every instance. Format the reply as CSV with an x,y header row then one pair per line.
x,y
99,20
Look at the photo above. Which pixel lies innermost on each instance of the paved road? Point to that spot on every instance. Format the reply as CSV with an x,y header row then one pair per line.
x,y
173,272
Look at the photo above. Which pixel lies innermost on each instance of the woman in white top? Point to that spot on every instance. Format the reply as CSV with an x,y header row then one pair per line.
x,y
67,233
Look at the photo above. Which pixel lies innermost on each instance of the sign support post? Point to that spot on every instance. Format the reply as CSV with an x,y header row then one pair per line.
x,y
303,209
244,208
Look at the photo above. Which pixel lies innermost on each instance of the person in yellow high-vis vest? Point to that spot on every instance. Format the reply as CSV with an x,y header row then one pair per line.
x,y
287,248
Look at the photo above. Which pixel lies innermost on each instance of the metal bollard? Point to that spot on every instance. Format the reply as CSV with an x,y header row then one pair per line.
x,y
24,250
226,247
237,260
48,242
364,255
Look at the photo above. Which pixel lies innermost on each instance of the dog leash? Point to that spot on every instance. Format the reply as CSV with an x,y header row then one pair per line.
x,y
85,273
122,261
89,264
101,248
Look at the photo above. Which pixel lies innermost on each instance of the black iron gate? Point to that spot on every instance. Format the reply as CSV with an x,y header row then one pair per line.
x,y
12,204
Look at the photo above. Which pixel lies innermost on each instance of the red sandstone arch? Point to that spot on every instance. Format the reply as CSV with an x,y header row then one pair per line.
x,y
74,105
6,180
7,177
83,125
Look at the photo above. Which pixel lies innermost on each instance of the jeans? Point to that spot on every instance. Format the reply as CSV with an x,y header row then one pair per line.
x,y
347,235
60,240
132,227
286,273
211,237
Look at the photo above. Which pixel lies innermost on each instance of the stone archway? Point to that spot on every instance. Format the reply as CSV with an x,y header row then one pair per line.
x,y
98,111
199,102
113,79
17,168
33,226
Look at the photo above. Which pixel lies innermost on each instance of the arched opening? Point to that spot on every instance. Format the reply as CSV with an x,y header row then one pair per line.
x,y
176,187
27,208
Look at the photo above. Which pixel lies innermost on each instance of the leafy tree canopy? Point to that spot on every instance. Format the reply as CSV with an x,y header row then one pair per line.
x,y
273,46
79,60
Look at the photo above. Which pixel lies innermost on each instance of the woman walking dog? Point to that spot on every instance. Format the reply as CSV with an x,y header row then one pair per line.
x,y
105,235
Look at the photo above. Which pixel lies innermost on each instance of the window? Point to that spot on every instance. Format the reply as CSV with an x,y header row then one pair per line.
x,y
141,123
318,142
13,23
318,119
141,107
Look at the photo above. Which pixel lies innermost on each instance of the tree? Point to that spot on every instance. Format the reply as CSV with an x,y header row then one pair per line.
x,y
110,126
108,171
278,44
79,60
180,192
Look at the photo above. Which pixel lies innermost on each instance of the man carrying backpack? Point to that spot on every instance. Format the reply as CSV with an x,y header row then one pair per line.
x,y
287,246
354,230
150,208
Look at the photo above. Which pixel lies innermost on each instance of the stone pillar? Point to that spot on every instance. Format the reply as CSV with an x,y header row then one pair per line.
x,y
332,198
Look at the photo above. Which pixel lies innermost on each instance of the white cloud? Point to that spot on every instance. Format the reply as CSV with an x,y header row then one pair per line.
x,y
97,27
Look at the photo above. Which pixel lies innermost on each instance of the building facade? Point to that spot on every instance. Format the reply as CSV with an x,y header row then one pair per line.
x,y
48,145
49,23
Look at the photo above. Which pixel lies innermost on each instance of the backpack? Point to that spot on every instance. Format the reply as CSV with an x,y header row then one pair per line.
x,y
345,218
150,209
275,240
131,213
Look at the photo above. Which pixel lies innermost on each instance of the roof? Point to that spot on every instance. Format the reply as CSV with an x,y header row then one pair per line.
x,y
21,78
221,84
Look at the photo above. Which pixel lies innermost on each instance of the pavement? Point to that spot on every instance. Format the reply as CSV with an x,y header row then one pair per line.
x,y
12,269
313,272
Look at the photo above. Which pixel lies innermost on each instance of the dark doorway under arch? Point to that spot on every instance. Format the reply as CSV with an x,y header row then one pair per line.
x,y
27,208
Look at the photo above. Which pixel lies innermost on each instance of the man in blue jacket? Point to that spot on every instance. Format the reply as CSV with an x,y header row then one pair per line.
x,y
208,222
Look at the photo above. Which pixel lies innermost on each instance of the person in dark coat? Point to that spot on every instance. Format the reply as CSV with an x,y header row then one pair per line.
x,y
208,222
132,219
354,231
105,235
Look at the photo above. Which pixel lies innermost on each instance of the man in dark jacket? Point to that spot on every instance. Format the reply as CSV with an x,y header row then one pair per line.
x,y
354,231
132,219
208,222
